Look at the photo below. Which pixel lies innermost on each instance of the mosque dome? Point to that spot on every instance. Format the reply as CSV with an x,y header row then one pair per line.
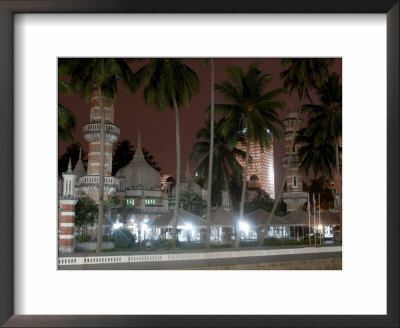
x,y
139,173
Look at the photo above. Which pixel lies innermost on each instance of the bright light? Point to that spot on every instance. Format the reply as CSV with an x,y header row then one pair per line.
x,y
320,227
244,226
145,227
117,225
189,227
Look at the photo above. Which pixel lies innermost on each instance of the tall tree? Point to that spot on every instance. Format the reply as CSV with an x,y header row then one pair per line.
x,y
316,157
192,202
225,163
123,154
322,186
251,111
210,159
168,82
85,213
300,74
101,74
66,120
325,123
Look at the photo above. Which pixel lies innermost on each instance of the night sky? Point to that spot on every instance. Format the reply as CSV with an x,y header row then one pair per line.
x,y
157,129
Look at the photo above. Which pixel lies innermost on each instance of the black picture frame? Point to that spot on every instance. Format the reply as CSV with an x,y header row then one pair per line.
x,y
7,10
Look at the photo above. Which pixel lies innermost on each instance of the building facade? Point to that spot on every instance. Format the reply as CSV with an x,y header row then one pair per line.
x,y
87,185
294,197
260,172
141,188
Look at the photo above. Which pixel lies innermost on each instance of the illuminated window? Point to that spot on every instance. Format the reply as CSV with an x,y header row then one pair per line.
x,y
150,202
130,202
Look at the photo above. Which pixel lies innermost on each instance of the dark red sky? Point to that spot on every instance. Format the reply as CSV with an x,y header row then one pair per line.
x,y
157,129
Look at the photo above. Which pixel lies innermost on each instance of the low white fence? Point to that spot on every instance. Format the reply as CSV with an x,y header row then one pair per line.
x,y
104,259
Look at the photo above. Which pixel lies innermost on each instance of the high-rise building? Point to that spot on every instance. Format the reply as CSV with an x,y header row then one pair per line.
x,y
260,172
295,197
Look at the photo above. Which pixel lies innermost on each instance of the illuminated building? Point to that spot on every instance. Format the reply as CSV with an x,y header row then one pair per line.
x,y
260,172
140,187
88,185
295,197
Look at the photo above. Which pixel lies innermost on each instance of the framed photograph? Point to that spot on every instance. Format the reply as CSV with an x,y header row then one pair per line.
x,y
42,42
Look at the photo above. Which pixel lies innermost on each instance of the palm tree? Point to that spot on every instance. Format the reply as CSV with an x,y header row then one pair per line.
x,y
319,158
123,154
301,74
210,159
150,159
71,152
325,123
168,82
192,202
225,164
101,74
85,213
66,120
251,111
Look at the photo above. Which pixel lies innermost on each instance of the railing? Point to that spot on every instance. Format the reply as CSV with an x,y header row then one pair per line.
x,y
95,127
142,188
110,259
67,197
95,179
295,158
294,194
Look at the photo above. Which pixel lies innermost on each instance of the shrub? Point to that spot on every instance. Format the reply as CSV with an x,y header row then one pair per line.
x,y
105,238
108,238
82,238
123,238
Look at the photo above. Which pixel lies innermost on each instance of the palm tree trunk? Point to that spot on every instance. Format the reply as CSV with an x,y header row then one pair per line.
x,y
227,189
333,195
339,186
243,198
210,161
178,174
296,125
101,175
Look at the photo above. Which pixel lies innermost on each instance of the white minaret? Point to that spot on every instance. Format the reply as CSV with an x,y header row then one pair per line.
x,y
69,181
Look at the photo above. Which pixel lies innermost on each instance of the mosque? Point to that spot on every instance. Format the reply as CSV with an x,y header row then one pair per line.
x,y
143,188
137,183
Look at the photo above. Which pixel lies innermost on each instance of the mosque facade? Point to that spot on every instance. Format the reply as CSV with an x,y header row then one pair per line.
x,y
147,193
